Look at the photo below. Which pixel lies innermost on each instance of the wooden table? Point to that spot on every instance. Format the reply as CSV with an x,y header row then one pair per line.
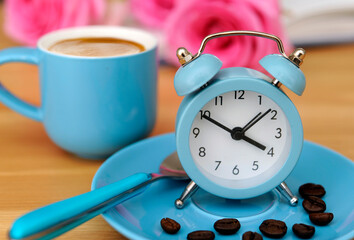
x,y
34,172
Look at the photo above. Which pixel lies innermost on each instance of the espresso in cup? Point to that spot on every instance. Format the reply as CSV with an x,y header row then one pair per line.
x,y
96,47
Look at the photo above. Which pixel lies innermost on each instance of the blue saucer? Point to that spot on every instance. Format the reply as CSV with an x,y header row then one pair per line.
x,y
139,217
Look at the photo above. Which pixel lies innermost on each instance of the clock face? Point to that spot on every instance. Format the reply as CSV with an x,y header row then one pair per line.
x,y
240,139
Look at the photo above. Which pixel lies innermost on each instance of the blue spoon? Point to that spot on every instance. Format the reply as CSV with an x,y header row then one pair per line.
x,y
57,218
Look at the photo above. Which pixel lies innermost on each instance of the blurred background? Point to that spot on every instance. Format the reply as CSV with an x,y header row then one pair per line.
x,y
185,23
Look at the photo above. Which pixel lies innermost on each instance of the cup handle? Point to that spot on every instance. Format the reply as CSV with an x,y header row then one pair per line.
x,y
26,55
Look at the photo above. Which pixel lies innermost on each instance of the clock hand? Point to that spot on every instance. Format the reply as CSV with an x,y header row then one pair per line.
x,y
253,142
252,120
255,121
217,123
236,133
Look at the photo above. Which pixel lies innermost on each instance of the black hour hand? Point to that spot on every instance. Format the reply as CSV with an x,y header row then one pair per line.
x,y
238,134
254,143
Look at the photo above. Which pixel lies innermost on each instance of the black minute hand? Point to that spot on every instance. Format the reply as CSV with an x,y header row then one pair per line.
x,y
255,120
252,120
217,123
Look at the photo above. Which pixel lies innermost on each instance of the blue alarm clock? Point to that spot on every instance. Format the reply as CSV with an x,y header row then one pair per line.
x,y
238,135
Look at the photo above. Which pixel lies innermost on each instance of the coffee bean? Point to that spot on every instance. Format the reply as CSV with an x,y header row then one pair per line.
x,y
273,228
321,219
227,226
252,236
303,231
169,225
201,235
311,189
314,204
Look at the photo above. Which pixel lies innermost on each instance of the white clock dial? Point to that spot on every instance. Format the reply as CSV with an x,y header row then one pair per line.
x,y
240,139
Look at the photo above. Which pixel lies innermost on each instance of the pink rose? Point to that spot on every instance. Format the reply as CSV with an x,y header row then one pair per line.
x,y
152,13
28,20
189,23
117,13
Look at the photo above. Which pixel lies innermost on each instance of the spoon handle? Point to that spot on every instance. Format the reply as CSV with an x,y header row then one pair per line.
x,y
57,218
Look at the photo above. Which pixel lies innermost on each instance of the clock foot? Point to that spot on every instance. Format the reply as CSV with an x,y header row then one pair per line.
x,y
284,190
187,193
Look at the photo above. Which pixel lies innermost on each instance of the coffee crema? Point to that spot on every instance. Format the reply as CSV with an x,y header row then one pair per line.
x,y
97,47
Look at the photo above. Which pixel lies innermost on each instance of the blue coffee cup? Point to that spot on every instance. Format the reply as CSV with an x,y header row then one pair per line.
x,y
91,106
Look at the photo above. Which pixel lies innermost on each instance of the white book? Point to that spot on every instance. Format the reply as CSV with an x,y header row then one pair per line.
x,y
310,22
